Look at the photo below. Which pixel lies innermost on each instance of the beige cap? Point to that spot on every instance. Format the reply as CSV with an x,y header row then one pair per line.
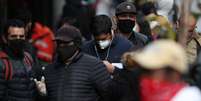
x,y
160,54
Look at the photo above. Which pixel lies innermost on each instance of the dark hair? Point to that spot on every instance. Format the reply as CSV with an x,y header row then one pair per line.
x,y
101,24
148,8
24,15
13,23
69,21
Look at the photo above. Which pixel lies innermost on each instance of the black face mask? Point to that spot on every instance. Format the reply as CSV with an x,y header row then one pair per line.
x,y
126,26
17,46
66,52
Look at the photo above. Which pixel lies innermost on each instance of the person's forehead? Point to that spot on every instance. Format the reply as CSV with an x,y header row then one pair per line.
x,y
16,30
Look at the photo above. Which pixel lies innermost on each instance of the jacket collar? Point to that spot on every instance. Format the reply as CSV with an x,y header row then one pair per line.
x,y
73,60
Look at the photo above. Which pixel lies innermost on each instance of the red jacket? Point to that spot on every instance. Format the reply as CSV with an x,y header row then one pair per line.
x,y
42,40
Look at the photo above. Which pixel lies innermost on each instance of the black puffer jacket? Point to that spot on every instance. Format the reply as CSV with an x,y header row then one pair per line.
x,y
20,87
84,79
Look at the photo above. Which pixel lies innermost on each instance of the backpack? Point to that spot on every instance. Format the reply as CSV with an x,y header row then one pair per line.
x,y
7,67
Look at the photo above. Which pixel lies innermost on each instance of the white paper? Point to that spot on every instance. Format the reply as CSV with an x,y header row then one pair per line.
x,y
118,65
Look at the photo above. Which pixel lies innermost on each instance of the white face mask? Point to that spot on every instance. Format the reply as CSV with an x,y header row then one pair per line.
x,y
104,44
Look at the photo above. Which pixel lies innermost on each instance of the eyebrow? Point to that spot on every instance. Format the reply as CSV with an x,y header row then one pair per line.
x,y
16,36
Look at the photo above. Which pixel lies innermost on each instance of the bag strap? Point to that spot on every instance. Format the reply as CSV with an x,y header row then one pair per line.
x,y
8,70
198,46
7,66
28,59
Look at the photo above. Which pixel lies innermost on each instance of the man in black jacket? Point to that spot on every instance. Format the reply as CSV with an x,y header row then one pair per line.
x,y
16,65
75,76
126,19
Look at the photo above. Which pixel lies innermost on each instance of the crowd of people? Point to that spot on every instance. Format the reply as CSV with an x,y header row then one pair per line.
x,y
134,55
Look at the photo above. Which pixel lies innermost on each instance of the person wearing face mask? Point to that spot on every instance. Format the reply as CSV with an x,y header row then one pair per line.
x,y
16,65
163,66
109,48
74,75
125,15
106,46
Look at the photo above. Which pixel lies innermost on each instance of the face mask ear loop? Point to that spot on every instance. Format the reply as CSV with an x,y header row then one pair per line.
x,y
108,51
112,33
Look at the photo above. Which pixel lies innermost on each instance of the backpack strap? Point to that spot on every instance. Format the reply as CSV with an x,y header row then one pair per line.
x,y
198,46
7,67
28,59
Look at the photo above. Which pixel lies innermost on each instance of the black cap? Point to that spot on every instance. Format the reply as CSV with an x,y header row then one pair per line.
x,y
148,8
125,7
68,33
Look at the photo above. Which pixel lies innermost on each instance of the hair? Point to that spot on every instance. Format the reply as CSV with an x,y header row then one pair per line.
x,y
101,24
68,21
24,15
126,59
148,8
13,23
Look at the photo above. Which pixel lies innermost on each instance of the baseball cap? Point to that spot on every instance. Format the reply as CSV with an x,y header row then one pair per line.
x,y
125,7
68,33
161,54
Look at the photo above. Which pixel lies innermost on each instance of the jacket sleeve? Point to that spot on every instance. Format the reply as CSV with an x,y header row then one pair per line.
x,y
2,82
101,80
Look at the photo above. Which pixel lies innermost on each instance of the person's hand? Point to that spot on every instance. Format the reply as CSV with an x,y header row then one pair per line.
x,y
110,67
41,86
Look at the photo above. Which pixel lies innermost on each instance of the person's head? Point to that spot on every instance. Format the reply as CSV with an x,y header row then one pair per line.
x,y
164,58
68,41
68,20
26,17
101,28
126,17
14,36
191,25
148,8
